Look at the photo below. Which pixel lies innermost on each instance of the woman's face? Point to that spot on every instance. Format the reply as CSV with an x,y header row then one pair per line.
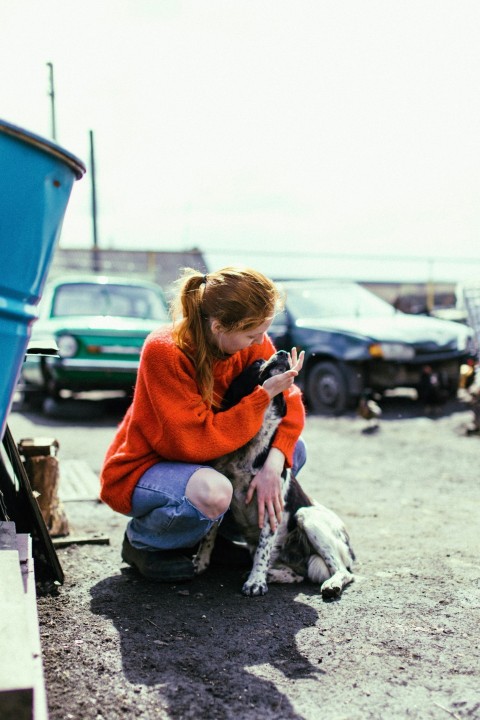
x,y
231,342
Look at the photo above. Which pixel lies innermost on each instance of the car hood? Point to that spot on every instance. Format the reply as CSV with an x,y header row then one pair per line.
x,y
98,325
398,327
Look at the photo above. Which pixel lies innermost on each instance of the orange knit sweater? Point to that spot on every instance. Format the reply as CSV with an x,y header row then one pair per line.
x,y
168,420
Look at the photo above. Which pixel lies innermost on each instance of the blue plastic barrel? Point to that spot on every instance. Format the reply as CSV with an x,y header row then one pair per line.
x,y
36,179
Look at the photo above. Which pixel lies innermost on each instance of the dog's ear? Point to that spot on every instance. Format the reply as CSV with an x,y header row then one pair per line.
x,y
242,385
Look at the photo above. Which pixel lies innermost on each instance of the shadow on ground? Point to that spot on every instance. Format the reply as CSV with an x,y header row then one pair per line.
x,y
205,649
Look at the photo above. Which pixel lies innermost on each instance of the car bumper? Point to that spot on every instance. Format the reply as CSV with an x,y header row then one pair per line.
x,y
86,366
81,374
388,375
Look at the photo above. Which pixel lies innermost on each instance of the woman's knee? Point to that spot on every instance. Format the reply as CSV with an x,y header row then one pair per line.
x,y
210,492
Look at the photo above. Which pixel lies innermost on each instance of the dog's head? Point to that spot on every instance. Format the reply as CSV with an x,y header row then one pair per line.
x,y
276,365
256,374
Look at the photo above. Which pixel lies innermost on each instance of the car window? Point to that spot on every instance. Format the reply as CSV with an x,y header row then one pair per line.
x,y
74,299
330,301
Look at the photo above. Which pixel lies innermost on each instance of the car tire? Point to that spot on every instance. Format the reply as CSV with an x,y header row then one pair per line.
x,y
327,389
50,388
33,397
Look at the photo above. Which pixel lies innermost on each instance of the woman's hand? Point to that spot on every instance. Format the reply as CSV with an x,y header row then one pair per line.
x,y
279,383
267,483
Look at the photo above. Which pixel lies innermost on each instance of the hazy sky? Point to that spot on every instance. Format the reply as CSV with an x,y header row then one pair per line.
x,y
259,125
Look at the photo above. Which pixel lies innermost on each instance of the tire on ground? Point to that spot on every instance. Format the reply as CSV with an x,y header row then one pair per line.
x,y
327,389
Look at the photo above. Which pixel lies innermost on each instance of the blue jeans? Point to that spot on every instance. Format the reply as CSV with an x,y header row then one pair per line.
x,y
163,518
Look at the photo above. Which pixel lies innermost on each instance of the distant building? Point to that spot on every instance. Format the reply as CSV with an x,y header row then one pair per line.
x,y
416,298
161,267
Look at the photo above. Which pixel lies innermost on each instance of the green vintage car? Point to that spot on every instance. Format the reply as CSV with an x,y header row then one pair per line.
x,y
99,325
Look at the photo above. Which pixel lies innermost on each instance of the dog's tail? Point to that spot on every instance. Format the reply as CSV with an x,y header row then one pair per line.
x,y
296,496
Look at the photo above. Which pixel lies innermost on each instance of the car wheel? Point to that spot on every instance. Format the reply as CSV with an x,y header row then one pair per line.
x,y
33,397
50,388
326,389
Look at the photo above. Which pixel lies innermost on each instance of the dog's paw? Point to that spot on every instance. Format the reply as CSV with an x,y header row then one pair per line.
x,y
199,564
332,588
255,587
331,591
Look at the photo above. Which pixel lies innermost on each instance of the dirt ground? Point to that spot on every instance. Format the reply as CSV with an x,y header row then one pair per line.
x,y
402,642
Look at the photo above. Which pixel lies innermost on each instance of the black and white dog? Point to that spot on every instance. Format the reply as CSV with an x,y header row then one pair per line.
x,y
310,541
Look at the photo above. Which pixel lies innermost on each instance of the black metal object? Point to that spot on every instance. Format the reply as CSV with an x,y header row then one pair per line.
x,y
18,504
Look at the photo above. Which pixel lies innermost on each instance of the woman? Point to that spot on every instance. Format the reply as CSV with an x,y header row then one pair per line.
x,y
156,470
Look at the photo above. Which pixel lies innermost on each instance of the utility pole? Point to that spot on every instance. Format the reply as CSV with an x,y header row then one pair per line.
x,y
52,100
95,263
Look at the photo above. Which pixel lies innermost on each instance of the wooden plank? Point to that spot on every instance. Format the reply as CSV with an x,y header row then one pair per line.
x,y
95,539
22,684
78,481
24,544
16,676
24,548
8,538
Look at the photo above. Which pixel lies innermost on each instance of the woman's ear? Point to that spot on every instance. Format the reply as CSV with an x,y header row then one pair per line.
x,y
216,327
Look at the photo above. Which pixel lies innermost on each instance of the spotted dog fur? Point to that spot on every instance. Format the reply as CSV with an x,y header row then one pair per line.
x,y
311,541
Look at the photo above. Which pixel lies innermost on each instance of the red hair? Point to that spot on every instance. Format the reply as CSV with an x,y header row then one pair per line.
x,y
239,299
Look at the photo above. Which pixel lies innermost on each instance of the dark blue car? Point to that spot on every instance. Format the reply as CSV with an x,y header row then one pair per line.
x,y
356,342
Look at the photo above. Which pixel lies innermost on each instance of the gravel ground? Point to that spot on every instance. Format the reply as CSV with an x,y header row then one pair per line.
x,y
401,643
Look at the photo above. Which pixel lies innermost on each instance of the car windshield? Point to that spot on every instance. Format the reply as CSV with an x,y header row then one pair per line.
x,y
130,301
331,301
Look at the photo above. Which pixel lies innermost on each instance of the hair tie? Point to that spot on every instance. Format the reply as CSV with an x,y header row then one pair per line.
x,y
204,279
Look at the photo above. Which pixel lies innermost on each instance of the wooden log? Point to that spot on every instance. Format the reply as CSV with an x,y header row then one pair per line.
x,y
38,446
41,465
44,475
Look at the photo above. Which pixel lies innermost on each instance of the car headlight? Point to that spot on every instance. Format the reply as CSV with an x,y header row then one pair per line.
x,y
391,351
67,346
